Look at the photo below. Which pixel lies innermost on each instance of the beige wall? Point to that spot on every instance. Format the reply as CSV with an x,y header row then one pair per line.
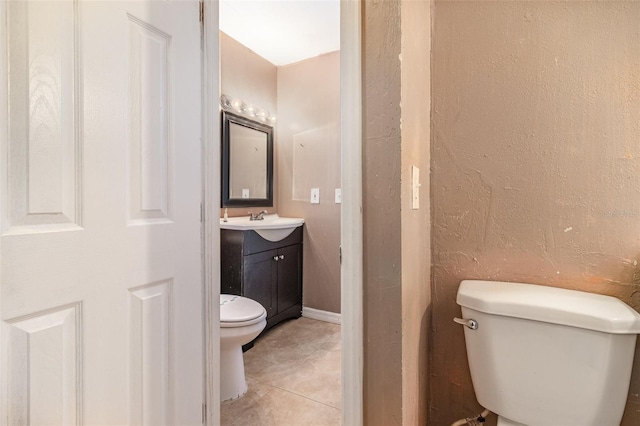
x,y
249,77
305,97
416,224
396,238
536,162
308,151
381,215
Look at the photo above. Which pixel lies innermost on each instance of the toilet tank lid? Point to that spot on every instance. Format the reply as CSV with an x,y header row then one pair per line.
x,y
549,304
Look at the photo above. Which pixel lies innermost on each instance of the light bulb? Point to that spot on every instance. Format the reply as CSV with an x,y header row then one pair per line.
x,y
225,101
238,105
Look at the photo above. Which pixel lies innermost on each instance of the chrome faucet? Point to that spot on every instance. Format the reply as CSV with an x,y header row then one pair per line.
x,y
259,216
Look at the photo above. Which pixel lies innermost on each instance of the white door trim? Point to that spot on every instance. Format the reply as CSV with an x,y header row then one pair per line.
x,y
351,212
211,211
4,139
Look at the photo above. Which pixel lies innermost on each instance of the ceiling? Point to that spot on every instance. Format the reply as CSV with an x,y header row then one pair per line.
x,y
283,31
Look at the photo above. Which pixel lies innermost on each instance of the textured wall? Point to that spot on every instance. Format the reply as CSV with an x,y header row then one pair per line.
x,y
247,76
396,237
416,224
382,222
536,162
308,151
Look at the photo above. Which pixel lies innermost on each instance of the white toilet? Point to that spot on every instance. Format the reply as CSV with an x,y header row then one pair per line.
x,y
241,320
545,356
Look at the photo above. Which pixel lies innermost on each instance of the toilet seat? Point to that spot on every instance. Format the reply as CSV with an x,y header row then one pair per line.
x,y
238,311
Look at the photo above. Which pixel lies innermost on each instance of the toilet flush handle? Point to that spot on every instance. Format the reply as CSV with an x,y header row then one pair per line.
x,y
470,323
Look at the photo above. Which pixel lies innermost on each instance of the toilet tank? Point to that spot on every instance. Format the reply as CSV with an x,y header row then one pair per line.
x,y
546,356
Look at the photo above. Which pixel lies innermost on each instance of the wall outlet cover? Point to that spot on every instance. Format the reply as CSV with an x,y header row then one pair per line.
x,y
245,193
315,195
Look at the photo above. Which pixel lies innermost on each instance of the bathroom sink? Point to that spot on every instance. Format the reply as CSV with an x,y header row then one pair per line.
x,y
271,228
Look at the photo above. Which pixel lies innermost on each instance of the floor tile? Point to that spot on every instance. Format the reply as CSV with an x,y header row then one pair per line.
x,y
230,411
316,377
281,408
300,332
293,375
333,343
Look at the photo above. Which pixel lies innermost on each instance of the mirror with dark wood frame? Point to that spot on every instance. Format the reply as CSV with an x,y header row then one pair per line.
x,y
247,162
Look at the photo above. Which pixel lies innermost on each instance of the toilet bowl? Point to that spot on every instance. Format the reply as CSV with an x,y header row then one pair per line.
x,y
241,320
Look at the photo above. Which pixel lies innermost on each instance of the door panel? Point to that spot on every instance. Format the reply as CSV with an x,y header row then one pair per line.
x,y
150,353
101,264
148,162
43,151
44,367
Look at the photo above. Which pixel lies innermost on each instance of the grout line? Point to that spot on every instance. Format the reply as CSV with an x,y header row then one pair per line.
x,y
306,397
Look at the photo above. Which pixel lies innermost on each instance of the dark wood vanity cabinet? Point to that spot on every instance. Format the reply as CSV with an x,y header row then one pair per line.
x,y
265,271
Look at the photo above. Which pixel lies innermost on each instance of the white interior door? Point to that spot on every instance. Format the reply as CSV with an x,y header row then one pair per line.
x,y
100,297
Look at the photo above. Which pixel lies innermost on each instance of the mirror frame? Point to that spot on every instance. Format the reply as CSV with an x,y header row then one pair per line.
x,y
227,119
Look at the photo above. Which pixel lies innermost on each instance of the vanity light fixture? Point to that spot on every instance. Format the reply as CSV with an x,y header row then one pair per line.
x,y
248,110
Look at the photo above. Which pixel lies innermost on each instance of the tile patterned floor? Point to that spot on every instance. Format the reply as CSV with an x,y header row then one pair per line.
x,y
293,373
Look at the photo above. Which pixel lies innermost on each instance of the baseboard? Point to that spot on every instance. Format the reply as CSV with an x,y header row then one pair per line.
x,y
319,315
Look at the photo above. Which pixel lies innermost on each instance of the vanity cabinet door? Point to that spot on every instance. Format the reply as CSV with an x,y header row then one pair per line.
x,y
266,271
289,276
260,278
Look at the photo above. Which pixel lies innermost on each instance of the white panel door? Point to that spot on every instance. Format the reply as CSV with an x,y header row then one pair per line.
x,y
100,298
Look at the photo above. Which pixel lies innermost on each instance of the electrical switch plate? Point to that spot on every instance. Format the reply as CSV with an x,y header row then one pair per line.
x,y
315,195
245,193
338,195
415,188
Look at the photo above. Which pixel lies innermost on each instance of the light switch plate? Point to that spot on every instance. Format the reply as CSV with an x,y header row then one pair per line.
x,y
315,195
415,188
245,193
338,195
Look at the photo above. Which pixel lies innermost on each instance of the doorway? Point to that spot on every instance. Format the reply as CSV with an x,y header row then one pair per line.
x,y
351,216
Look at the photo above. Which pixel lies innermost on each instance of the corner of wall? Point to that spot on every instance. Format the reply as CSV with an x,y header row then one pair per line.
x,y
416,224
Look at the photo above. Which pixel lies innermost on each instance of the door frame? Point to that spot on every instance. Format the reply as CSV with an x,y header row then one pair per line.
x,y
351,228
350,212
4,139
211,175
